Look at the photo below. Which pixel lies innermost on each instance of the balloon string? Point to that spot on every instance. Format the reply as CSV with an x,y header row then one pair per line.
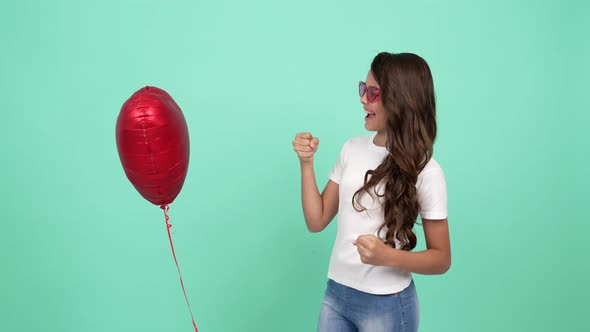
x,y
168,226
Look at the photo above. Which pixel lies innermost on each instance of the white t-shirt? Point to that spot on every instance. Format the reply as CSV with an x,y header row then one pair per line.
x,y
358,155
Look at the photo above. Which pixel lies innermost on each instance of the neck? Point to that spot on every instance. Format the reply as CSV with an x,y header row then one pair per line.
x,y
381,138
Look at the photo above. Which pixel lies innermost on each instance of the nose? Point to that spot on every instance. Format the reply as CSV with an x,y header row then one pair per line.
x,y
364,99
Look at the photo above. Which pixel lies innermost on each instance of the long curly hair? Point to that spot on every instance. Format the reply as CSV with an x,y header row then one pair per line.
x,y
407,94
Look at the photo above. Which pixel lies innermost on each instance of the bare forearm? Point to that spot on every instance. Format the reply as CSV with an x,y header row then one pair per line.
x,y
430,261
311,198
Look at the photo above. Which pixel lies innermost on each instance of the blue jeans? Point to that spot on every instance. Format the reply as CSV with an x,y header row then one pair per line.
x,y
346,309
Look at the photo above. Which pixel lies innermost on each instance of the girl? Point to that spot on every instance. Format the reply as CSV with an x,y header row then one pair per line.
x,y
379,185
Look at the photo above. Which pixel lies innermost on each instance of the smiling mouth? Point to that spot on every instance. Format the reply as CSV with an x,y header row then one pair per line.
x,y
370,115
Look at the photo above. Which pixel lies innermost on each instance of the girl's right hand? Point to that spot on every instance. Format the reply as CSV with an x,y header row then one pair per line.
x,y
305,145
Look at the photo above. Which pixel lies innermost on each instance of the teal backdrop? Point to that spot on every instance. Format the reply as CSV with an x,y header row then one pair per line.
x,y
81,250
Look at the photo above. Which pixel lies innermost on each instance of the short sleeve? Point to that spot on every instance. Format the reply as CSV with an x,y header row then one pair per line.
x,y
336,173
432,194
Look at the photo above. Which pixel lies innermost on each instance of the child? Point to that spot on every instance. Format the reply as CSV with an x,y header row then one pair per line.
x,y
378,186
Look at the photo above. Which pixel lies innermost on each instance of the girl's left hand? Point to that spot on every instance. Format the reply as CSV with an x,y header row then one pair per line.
x,y
371,249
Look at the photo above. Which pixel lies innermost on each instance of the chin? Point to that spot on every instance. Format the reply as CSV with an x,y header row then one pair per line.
x,y
370,128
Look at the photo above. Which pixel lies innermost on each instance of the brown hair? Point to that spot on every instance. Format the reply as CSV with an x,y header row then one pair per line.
x,y
407,94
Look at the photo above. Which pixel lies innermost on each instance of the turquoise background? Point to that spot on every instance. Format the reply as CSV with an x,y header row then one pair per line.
x,y
82,251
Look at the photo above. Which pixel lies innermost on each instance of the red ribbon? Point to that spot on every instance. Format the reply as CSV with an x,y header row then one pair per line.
x,y
168,226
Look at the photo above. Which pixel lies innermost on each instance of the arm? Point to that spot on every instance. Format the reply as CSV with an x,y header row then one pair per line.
x,y
318,210
436,259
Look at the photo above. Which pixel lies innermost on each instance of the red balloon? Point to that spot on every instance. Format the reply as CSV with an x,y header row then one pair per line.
x,y
153,144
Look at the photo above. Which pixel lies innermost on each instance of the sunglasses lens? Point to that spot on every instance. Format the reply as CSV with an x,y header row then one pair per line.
x,y
372,94
362,88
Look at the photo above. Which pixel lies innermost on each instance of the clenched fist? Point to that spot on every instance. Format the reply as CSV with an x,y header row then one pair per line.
x,y
305,145
371,249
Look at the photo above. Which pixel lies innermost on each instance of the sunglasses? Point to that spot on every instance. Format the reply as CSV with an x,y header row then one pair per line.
x,y
372,92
